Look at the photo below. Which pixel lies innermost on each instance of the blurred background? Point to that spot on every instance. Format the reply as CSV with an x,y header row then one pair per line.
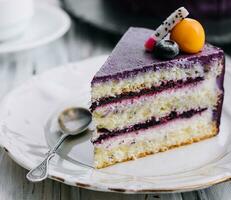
x,y
113,17
97,25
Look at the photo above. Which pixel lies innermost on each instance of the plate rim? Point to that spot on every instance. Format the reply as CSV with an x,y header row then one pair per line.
x,y
224,177
49,38
122,190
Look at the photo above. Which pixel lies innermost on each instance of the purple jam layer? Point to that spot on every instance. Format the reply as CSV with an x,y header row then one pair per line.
x,y
153,90
129,57
150,123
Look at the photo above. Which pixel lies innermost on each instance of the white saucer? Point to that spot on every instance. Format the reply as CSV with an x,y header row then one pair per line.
x,y
26,132
48,24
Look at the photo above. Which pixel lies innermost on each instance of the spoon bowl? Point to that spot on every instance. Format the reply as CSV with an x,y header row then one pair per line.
x,y
74,120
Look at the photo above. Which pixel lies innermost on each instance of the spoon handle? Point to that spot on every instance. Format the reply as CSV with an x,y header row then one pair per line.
x,y
40,172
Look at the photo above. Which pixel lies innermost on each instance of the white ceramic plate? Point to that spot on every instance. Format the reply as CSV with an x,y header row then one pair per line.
x,y
27,129
48,24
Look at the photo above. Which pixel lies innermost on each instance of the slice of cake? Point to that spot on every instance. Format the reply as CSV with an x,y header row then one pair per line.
x,y
142,105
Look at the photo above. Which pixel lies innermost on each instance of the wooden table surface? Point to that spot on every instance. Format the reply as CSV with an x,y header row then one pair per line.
x,y
81,42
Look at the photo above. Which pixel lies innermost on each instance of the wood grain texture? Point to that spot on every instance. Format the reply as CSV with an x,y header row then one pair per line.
x,y
80,42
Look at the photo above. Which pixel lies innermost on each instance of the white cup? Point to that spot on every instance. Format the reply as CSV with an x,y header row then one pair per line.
x,y
15,16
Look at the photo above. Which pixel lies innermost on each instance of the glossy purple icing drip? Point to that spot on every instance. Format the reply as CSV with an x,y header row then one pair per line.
x,y
220,83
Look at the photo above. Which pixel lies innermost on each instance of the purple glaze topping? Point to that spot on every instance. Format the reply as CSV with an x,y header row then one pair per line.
x,y
151,123
129,57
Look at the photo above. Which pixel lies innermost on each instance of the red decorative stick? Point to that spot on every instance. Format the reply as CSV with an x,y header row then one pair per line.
x,y
165,28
